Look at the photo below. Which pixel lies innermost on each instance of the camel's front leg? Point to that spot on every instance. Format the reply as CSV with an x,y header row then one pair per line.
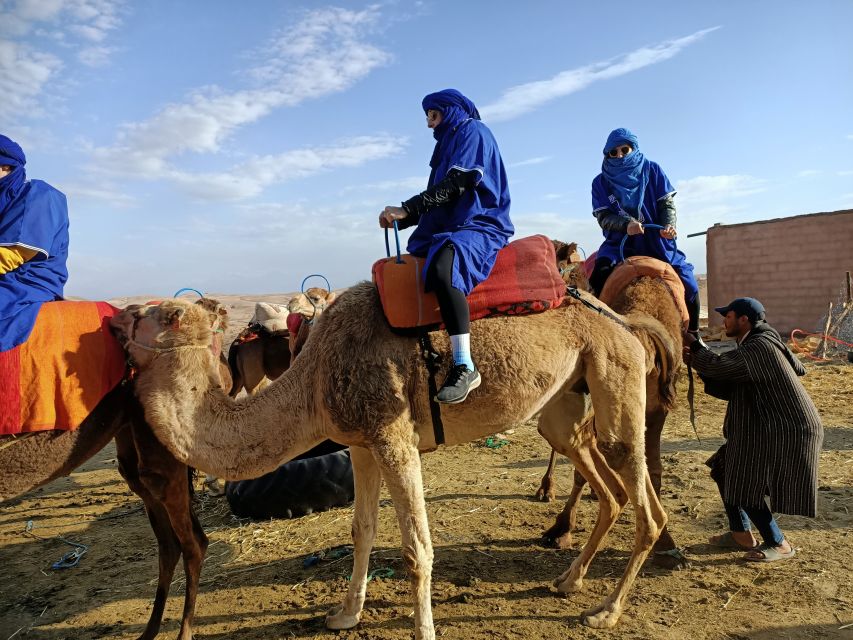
x,y
367,483
402,473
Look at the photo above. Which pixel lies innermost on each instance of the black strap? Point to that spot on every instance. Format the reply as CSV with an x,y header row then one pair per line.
x,y
432,360
574,293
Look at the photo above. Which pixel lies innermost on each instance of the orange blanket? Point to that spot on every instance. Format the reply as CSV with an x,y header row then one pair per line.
x,y
638,266
524,280
57,377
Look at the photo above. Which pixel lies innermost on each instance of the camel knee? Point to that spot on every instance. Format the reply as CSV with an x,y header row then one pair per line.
x,y
616,454
418,562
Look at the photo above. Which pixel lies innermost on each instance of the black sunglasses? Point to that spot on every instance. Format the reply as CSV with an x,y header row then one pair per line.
x,y
625,149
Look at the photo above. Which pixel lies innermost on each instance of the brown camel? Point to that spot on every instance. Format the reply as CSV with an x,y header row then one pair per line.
x,y
34,459
264,358
361,385
644,297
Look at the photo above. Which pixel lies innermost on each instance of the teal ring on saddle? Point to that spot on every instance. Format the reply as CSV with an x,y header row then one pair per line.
x,y
180,291
315,275
625,237
396,239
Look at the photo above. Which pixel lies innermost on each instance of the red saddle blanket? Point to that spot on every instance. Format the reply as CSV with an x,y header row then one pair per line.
x,y
638,266
57,377
524,280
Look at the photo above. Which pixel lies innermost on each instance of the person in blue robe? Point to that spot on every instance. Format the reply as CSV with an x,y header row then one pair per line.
x,y
631,191
462,222
33,245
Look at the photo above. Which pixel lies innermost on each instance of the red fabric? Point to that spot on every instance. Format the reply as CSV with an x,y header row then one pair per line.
x,y
294,321
59,375
589,264
524,279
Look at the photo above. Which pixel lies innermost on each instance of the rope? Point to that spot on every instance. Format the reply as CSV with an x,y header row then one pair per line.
x,y
806,351
180,291
625,238
396,240
145,347
68,560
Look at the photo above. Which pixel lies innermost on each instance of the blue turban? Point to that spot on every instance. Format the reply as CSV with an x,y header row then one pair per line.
x,y
628,176
455,109
13,156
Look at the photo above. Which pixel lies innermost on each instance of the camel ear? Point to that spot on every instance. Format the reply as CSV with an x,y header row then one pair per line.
x,y
561,249
174,317
331,298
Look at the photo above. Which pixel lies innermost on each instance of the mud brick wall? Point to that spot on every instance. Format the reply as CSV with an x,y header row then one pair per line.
x,y
794,266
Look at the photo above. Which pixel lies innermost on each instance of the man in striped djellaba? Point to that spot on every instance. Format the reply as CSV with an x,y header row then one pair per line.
x,y
773,432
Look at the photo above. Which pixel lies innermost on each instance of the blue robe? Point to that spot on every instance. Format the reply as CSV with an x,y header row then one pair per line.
x,y
655,187
477,223
35,218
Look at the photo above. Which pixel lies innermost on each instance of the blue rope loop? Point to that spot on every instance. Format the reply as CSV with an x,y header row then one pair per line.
x,y
180,291
625,238
315,275
396,240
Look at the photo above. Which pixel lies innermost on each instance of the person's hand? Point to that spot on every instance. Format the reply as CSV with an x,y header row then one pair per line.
x,y
668,232
689,338
635,228
389,214
686,355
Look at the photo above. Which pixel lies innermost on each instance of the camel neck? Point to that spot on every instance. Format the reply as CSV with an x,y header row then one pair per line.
x,y
208,430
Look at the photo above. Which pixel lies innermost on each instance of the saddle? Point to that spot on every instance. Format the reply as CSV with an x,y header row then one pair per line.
x,y
58,376
524,280
644,266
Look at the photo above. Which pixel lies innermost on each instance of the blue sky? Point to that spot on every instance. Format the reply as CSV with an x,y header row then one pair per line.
x,y
236,148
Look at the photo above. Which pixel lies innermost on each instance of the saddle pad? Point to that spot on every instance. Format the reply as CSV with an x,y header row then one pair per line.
x,y
524,280
639,266
67,365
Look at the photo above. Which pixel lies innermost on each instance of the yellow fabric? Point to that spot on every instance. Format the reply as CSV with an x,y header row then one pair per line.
x,y
13,257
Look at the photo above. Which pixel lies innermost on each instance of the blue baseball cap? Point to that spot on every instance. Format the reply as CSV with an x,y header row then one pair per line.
x,y
749,307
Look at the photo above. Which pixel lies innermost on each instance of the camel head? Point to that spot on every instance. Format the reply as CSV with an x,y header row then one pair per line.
x,y
145,330
570,264
311,303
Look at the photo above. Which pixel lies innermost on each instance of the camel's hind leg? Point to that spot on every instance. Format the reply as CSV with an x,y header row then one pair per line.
x,y
367,484
546,491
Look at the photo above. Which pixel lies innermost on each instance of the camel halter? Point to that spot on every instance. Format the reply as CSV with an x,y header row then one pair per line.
x,y
132,341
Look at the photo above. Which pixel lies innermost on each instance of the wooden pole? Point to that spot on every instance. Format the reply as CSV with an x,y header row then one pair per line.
x,y
849,289
825,342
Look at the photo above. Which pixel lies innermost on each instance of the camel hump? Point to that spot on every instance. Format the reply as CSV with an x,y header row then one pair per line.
x,y
645,266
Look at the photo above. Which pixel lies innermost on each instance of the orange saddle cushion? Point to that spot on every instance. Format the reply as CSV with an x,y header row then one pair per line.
x,y
524,279
639,266
58,376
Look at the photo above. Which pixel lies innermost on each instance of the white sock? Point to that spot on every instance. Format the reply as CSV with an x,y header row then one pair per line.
x,y
462,349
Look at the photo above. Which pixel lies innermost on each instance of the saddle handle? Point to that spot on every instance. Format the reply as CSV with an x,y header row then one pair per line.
x,y
315,275
625,238
396,240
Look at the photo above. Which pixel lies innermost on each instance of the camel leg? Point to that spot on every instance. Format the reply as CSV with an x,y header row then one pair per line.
x,y
650,519
167,543
666,553
546,491
367,484
166,479
560,534
402,473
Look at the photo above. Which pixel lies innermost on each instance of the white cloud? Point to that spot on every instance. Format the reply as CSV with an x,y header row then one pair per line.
x,y
404,185
807,173
326,52
552,196
28,68
529,161
850,136
848,172
704,200
521,99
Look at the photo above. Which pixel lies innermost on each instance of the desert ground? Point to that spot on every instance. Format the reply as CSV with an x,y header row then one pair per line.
x,y
492,575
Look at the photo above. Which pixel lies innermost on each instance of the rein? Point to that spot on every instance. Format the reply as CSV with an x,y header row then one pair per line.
x,y
576,294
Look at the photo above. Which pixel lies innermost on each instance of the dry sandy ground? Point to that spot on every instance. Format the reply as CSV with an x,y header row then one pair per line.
x,y
491,577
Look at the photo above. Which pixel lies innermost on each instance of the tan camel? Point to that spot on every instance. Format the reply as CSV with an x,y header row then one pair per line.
x,y
650,298
365,387
32,460
256,362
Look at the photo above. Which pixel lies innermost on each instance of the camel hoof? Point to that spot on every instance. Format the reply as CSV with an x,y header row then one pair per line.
x,y
565,584
214,486
337,620
671,560
601,617
563,541
543,495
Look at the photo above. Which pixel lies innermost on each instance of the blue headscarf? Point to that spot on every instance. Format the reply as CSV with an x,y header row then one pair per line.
x,y
455,109
13,156
626,177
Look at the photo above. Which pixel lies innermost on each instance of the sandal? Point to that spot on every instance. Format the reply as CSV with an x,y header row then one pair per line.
x,y
727,541
768,554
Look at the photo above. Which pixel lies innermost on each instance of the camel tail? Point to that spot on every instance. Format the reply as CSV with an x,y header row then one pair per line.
x,y
236,376
666,356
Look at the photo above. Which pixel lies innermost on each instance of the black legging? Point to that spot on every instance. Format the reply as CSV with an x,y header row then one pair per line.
x,y
604,267
451,301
